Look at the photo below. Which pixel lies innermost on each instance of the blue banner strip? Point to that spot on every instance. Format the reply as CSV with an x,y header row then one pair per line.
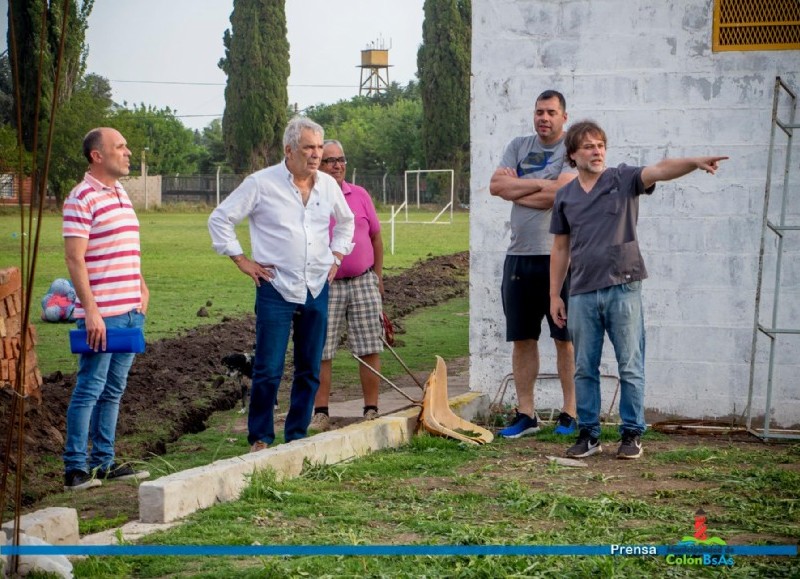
x,y
396,550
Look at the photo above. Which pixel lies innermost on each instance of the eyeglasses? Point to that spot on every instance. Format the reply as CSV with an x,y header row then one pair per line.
x,y
334,160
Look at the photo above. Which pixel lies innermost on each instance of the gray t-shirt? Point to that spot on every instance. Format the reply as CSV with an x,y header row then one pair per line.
x,y
532,160
601,225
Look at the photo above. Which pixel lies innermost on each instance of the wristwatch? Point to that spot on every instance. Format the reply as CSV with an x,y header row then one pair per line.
x,y
337,261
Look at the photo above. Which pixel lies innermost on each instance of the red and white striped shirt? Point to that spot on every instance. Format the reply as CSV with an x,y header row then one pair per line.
x,y
105,217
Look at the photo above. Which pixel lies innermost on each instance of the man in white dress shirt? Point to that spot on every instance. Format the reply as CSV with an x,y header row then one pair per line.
x,y
289,207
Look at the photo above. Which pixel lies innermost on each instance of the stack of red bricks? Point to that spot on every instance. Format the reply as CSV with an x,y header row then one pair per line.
x,y
11,337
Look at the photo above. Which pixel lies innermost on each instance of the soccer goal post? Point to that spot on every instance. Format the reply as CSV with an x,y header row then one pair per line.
x,y
417,173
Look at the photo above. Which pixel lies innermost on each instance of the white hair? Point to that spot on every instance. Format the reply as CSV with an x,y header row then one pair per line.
x,y
291,136
333,142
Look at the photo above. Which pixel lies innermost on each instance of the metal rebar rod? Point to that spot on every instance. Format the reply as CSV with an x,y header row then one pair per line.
x,y
385,379
403,364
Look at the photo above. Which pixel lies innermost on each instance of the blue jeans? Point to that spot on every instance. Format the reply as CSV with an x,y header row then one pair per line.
x,y
94,406
616,310
275,317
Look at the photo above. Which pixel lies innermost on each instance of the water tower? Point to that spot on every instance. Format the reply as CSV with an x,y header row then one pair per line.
x,y
374,64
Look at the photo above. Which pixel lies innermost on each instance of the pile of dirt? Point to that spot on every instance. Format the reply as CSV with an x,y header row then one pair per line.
x,y
178,383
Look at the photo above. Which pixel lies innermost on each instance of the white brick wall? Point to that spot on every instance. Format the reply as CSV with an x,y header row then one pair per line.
x,y
645,71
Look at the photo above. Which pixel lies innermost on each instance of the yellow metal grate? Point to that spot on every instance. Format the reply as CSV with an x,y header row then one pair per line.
x,y
756,25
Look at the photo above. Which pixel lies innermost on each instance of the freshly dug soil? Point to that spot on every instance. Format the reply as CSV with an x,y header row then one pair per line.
x,y
178,383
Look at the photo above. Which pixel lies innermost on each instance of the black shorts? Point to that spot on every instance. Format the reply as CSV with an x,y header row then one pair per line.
x,y
526,298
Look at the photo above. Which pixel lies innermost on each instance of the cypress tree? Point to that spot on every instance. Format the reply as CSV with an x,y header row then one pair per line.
x,y
23,50
444,62
256,99
26,18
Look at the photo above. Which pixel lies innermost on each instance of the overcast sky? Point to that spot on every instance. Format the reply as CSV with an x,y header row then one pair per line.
x,y
180,41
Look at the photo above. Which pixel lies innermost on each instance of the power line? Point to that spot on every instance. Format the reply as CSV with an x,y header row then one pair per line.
x,y
220,115
171,82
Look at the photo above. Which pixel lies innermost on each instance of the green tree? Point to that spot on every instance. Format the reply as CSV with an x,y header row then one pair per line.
x,y
380,133
443,63
212,145
6,98
28,49
88,107
170,146
395,92
73,64
256,99
10,153
399,127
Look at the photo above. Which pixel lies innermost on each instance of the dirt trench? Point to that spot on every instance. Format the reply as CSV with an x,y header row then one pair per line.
x,y
178,383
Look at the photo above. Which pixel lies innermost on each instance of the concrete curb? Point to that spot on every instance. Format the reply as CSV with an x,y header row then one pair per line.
x,y
173,497
163,502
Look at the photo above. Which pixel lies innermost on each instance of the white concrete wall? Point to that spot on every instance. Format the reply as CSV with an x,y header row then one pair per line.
x,y
645,71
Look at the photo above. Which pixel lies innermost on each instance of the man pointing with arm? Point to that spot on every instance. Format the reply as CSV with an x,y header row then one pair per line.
x,y
594,222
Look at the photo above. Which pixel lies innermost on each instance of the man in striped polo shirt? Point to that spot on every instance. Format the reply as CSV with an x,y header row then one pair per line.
x,y
101,238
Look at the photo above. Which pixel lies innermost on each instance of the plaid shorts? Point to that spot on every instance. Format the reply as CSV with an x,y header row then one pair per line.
x,y
356,300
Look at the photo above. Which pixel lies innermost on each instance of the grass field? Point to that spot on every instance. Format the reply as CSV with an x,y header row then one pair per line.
x,y
433,491
184,273
439,492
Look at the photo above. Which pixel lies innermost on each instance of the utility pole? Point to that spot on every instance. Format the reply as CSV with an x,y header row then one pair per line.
x,y
144,174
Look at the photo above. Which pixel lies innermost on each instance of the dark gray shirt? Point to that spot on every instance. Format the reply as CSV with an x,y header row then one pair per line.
x,y
601,224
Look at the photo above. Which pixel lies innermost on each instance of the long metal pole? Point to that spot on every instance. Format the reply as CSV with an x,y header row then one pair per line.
x,y
144,174
778,268
218,168
760,274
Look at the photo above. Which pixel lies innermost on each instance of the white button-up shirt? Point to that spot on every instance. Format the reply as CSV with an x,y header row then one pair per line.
x,y
291,237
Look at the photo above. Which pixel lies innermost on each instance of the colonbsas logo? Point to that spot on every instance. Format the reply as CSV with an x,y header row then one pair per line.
x,y
699,549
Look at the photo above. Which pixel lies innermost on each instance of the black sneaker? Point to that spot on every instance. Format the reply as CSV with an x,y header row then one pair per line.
x,y
78,480
122,472
586,446
630,447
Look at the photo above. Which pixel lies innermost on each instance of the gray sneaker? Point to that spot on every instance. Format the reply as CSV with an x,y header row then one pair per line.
x,y
630,447
321,422
371,414
586,446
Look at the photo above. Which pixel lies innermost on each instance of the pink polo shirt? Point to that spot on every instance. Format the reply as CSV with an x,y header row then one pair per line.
x,y
367,225
105,217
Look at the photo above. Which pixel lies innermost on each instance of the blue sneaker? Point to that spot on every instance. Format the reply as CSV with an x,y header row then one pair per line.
x,y
566,424
523,425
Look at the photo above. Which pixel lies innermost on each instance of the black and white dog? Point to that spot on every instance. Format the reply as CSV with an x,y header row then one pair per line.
x,y
240,366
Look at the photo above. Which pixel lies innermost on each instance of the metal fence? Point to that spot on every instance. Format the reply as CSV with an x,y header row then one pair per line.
x,y
200,189
385,189
389,189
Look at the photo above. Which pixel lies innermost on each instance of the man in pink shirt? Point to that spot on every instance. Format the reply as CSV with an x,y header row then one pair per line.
x,y
355,296
101,240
